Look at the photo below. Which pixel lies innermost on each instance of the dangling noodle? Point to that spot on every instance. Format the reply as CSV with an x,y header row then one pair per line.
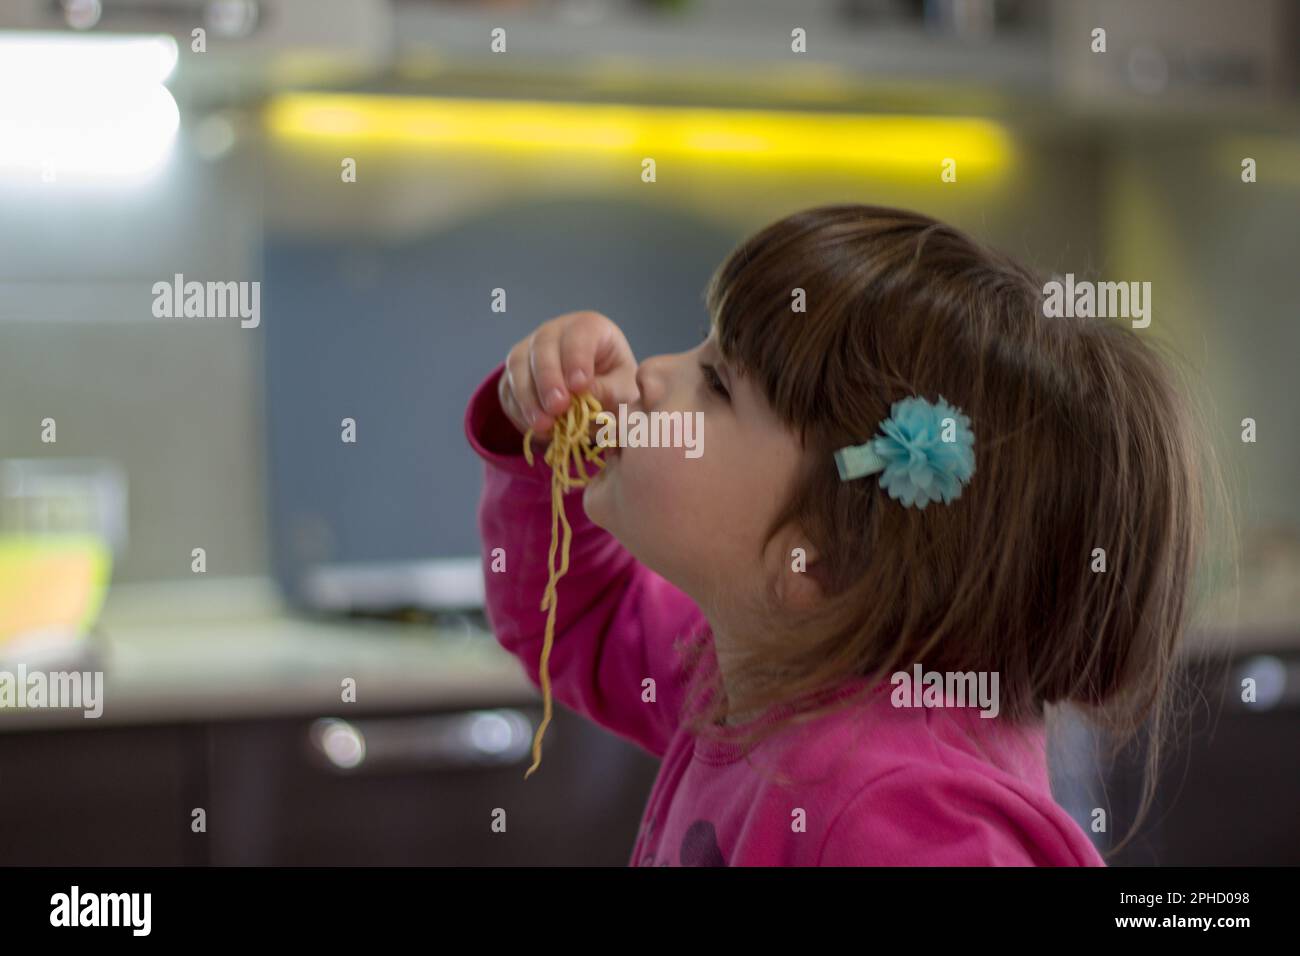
x,y
570,439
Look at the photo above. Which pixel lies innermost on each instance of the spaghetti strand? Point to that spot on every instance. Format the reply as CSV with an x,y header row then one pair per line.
x,y
570,440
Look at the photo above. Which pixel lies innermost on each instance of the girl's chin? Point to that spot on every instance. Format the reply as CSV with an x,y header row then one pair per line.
x,y
593,501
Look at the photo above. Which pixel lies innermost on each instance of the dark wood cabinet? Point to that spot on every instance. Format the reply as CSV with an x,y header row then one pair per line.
x,y
125,795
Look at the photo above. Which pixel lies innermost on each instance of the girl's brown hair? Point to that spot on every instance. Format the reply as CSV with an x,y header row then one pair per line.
x,y
1083,441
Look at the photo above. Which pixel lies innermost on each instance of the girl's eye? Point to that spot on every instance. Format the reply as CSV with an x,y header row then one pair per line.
x,y
714,381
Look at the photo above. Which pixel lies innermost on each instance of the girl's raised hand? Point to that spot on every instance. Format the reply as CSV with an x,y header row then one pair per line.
x,y
565,356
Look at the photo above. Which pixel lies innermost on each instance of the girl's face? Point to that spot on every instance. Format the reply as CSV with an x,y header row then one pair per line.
x,y
699,521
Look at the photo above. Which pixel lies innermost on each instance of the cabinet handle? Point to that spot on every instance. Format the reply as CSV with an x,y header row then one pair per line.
x,y
467,740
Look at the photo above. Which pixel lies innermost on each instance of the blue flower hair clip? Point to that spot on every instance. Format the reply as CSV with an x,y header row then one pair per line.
x,y
925,452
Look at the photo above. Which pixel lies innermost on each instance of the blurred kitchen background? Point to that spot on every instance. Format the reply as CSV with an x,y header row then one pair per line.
x,y
180,512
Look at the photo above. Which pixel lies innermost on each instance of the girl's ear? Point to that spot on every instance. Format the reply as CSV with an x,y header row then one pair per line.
x,y
800,572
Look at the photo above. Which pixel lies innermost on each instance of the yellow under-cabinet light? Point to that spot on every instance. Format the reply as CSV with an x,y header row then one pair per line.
x,y
911,144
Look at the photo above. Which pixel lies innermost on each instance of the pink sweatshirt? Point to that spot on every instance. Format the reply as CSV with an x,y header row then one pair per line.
x,y
922,786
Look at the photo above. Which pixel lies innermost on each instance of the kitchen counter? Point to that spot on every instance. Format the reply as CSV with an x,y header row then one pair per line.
x,y
228,648
216,649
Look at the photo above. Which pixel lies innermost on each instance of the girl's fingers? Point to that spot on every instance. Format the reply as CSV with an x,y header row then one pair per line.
x,y
578,355
574,353
548,370
619,386
520,385
608,364
511,408
610,351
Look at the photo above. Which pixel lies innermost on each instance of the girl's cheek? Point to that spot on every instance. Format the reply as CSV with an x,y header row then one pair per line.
x,y
669,480
660,493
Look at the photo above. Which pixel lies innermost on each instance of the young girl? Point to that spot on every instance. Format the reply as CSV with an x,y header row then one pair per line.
x,y
907,469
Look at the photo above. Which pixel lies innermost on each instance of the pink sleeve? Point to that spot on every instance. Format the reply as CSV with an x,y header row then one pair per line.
x,y
915,816
616,620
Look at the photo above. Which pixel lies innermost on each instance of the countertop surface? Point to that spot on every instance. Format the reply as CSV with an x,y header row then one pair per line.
x,y
222,649
228,649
